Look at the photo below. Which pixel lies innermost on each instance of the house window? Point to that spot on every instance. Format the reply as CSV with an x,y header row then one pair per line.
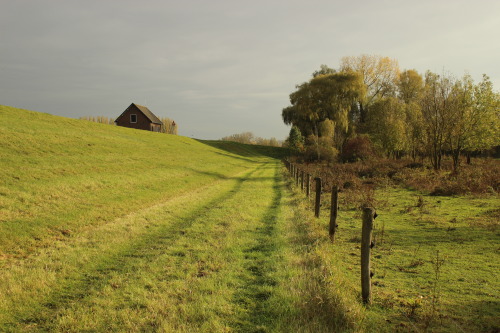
x,y
133,118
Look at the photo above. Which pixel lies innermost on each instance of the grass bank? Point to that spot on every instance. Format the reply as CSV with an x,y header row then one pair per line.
x,y
112,229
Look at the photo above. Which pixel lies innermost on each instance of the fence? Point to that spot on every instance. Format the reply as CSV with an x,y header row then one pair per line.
x,y
369,214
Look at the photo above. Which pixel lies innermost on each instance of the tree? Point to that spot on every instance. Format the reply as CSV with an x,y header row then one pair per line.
x,y
410,86
410,91
436,106
415,135
386,125
475,114
379,74
324,70
328,96
295,141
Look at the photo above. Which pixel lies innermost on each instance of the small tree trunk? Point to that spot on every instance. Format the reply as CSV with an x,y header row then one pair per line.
x,y
318,197
308,186
456,158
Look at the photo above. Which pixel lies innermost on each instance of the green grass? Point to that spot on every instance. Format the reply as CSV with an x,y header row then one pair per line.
x,y
112,229
436,260
105,228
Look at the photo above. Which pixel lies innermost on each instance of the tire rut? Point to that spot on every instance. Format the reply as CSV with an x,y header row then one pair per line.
x,y
257,283
94,277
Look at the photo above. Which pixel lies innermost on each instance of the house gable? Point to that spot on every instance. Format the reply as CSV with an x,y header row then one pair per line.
x,y
139,117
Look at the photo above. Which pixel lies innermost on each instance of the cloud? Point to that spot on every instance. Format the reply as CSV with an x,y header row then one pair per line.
x,y
221,67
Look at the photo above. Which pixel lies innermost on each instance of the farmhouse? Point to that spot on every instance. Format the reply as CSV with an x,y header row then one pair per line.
x,y
139,117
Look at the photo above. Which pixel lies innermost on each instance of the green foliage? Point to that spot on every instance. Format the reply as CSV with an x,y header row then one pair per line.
x,y
386,124
295,141
410,86
401,112
328,96
324,70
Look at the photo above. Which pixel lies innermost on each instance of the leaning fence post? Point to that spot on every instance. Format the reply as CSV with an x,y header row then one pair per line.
x,y
366,244
318,196
333,212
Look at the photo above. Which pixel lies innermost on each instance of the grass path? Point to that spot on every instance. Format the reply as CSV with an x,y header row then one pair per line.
x,y
60,278
229,257
204,261
110,229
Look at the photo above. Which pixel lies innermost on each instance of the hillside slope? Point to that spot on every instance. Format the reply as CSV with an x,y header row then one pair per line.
x,y
60,174
112,229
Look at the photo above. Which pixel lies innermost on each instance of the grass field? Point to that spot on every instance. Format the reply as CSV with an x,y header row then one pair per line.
x,y
112,229
435,263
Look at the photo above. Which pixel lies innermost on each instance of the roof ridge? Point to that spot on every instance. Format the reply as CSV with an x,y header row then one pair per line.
x,y
146,111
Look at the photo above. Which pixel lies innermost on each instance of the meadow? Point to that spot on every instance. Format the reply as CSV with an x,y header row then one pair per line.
x,y
112,229
436,257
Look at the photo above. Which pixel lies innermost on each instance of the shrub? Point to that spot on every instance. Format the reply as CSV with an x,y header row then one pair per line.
x,y
357,149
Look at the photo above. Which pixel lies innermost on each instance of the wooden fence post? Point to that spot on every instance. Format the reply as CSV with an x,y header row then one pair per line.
x,y
366,242
308,186
318,197
333,212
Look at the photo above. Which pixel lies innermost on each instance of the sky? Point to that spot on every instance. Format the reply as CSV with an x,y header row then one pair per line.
x,y
222,67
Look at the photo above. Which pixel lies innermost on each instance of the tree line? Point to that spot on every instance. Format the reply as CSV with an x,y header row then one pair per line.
x,y
249,138
369,104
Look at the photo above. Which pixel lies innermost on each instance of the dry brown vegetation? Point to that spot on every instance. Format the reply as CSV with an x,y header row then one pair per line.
x,y
479,177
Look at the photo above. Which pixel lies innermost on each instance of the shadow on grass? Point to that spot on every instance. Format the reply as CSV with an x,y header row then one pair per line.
x,y
92,278
258,281
222,176
247,150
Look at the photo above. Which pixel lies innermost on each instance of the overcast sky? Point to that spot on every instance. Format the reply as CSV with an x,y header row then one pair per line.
x,y
219,67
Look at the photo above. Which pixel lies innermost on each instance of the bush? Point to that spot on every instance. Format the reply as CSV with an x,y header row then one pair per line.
x,y
358,149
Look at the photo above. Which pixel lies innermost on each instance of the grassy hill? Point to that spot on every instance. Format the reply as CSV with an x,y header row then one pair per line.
x,y
60,174
105,229
88,210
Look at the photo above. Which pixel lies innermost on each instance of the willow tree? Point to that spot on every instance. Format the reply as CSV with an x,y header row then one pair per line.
x,y
379,75
327,96
410,90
